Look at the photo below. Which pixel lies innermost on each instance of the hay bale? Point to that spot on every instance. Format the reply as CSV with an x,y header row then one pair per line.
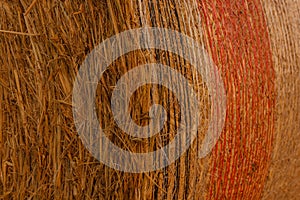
x,y
255,46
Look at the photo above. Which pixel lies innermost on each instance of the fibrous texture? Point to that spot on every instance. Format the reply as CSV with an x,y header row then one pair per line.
x,y
255,46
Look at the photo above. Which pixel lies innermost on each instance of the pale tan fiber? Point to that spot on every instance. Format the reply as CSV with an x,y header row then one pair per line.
x,y
283,19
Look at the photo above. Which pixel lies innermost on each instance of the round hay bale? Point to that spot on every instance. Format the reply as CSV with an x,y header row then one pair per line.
x,y
254,46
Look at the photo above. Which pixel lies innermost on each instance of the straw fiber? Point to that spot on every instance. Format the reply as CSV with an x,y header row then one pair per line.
x,y
255,46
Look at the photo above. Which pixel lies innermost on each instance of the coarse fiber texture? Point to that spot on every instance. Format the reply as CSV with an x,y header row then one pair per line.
x,y
254,44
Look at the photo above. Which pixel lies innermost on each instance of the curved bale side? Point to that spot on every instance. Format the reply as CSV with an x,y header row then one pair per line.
x,y
283,24
255,46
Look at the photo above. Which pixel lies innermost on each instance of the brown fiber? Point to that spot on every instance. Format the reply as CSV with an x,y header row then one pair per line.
x,y
42,45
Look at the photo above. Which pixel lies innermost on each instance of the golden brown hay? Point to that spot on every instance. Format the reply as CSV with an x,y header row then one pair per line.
x,y
256,47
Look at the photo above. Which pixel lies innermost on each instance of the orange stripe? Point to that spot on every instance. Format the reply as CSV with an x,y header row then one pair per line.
x,y
238,41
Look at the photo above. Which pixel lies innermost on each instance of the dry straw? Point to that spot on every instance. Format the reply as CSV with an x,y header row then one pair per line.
x,y
42,45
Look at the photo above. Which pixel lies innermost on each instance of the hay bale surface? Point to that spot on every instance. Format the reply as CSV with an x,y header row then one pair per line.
x,y
255,46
